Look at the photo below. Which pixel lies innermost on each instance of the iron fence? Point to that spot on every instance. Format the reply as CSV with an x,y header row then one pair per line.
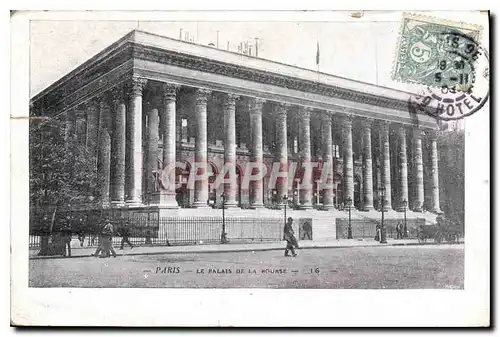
x,y
366,228
150,230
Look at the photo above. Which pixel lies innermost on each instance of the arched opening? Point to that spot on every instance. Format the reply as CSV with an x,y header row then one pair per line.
x,y
337,191
239,175
212,172
357,192
182,193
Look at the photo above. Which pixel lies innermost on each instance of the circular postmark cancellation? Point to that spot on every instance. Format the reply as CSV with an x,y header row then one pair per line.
x,y
461,79
446,60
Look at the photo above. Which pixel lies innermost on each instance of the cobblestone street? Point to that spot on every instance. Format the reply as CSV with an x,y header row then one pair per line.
x,y
430,266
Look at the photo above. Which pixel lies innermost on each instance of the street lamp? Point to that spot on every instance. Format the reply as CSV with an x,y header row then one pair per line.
x,y
349,228
382,228
285,201
405,230
223,236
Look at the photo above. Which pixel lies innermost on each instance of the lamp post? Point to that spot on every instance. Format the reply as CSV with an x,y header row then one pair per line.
x,y
223,236
405,229
349,227
285,201
382,228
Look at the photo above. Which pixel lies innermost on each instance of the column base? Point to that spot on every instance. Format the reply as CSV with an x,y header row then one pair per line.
x,y
305,206
437,211
133,203
117,204
367,208
402,209
199,204
257,206
418,209
164,200
231,205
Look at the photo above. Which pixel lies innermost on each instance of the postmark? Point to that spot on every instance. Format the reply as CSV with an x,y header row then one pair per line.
x,y
456,83
436,53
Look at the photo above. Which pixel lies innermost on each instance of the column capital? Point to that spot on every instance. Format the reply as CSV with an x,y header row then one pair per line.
x,y
202,95
432,134
384,126
367,122
326,117
401,130
229,100
255,104
418,133
280,108
116,94
305,112
346,121
137,85
169,91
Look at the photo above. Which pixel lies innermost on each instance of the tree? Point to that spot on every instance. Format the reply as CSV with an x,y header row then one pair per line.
x,y
62,172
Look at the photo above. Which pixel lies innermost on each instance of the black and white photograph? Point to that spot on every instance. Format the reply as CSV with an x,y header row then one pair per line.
x,y
253,151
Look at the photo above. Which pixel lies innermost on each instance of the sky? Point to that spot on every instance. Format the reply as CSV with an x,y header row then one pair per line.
x,y
362,51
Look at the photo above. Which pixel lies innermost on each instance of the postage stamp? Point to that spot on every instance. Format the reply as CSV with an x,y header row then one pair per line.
x,y
436,53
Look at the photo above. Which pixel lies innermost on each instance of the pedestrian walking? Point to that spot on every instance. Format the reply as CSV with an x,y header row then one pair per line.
x,y
377,234
288,235
107,236
124,232
399,230
66,234
100,243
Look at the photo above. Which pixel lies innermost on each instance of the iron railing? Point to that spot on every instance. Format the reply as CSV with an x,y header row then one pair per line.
x,y
366,228
145,230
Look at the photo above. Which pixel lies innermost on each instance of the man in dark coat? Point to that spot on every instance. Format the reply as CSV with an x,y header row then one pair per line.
x,y
124,232
107,236
288,235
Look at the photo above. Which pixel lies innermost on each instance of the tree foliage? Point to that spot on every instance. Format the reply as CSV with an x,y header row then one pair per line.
x,y
59,174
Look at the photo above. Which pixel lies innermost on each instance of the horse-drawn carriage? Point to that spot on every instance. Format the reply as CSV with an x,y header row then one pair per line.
x,y
443,230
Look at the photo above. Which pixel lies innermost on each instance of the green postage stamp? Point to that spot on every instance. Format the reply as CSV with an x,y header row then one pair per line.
x,y
436,52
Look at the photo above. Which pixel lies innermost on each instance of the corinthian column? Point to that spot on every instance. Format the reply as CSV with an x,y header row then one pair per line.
x,y
229,107
169,145
118,149
134,134
435,174
419,170
327,160
367,165
281,149
403,170
347,159
256,151
386,165
306,186
200,148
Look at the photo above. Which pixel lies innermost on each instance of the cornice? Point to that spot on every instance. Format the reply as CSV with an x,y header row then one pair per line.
x,y
159,55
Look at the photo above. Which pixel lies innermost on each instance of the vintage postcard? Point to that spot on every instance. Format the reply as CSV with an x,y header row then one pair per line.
x,y
217,168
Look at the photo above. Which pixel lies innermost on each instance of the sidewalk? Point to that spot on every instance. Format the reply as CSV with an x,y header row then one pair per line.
x,y
236,247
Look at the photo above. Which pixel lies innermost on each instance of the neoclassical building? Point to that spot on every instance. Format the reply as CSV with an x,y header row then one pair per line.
x,y
148,101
